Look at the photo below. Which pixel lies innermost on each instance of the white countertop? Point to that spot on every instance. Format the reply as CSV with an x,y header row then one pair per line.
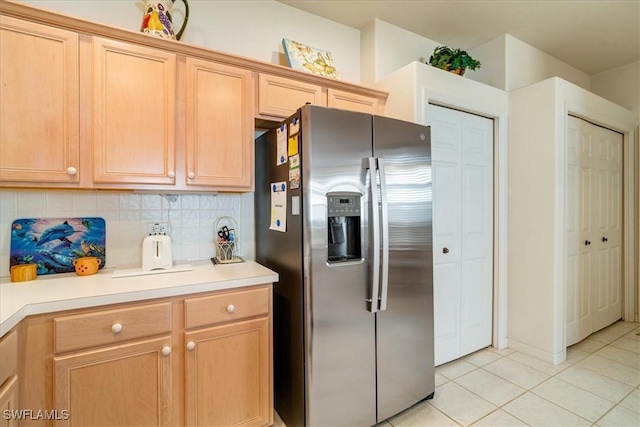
x,y
57,292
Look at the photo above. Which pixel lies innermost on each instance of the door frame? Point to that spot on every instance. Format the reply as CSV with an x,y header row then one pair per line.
x,y
629,260
497,110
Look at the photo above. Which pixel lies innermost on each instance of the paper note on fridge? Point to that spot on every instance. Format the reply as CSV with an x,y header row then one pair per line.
x,y
281,145
293,145
278,206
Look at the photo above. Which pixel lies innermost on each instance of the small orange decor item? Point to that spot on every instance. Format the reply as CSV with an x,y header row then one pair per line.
x,y
86,266
23,272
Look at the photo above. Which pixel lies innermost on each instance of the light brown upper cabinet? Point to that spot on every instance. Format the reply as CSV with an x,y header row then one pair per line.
x,y
39,106
218,125
353,102
134,114
85,105
280,97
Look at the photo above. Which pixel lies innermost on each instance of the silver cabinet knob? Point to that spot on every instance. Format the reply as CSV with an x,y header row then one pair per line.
x,y
231,308
116,328
166,350
72,171
191,345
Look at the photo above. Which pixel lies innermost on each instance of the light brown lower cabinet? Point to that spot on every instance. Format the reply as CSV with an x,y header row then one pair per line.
x,y
212,368
227,380
123,385
9,402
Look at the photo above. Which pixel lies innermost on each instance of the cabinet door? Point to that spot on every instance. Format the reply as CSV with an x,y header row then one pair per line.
x,y
124,385
280,97
228,375
9,402
219,125
352,102
134,114
39,107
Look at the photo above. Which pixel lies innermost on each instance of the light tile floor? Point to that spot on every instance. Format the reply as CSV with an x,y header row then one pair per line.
x,y
598,385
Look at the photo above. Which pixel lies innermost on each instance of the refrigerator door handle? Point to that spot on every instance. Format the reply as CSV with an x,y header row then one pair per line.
x,y
385,236
375,216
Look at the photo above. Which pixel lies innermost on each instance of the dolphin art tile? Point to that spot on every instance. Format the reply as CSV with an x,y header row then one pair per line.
x,y
54,243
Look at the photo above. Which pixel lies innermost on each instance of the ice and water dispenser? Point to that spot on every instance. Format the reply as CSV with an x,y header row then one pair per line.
x,y
343,227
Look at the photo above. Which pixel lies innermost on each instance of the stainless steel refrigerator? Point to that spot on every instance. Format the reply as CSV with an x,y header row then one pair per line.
x,y
343,213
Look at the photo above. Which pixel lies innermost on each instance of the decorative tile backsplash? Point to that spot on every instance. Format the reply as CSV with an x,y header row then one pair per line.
x,y
191,219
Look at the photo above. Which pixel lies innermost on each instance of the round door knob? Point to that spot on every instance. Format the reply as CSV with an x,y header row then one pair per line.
x,y
191,175
116,328
231,308
445,250
587,243
604,239
72,171
171,174
191,345
166,350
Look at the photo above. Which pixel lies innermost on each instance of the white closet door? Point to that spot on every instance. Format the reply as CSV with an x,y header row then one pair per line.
x,y
607,202
579,225
462,165
594,234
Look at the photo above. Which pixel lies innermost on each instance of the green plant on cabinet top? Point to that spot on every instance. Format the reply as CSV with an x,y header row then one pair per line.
x,y
454,60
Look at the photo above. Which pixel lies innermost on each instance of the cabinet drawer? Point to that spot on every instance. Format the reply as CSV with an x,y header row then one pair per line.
x,y
110,326
225,307
8,356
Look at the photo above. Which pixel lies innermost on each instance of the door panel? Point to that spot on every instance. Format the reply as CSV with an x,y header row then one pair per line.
x,y
340,332
463,231
594,295
405,373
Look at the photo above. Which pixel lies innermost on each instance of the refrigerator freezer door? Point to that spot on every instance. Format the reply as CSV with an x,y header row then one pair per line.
x,y
340,332
405,329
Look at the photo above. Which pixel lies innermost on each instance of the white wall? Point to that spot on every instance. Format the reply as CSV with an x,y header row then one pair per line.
x,y
251,28
386,48
622,86
509,63
526,65
492,57
537,132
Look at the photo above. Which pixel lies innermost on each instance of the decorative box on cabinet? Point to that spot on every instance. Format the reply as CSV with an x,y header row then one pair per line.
x,y
39,106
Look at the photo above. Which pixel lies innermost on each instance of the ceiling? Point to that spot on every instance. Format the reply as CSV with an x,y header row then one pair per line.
x,y
590,35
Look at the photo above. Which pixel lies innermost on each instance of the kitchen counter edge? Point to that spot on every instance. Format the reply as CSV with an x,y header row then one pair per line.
x,y
59,292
